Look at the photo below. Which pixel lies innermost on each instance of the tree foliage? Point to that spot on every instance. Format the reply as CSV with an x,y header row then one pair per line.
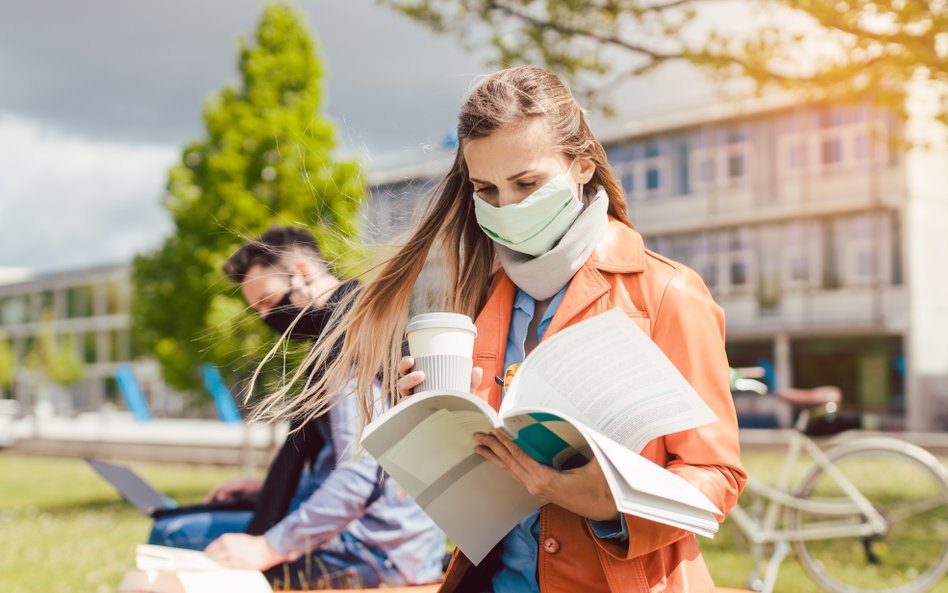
x,y
56,360
7,364
852,49
266,158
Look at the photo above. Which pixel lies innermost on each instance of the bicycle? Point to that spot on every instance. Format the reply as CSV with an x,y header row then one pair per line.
x,y
869,515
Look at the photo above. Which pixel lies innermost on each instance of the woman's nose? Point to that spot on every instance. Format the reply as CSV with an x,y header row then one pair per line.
x,y
507,200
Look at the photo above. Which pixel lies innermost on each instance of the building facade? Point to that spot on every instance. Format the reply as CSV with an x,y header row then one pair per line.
x,y
811,229
89,309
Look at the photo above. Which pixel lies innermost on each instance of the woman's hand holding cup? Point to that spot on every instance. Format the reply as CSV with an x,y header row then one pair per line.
x,y
409,380
441,346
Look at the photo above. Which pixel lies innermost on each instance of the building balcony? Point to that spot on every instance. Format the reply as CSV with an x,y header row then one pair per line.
x,y
746,204
882,309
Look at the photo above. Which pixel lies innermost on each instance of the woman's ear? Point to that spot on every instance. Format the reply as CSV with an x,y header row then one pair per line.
x,y
585,168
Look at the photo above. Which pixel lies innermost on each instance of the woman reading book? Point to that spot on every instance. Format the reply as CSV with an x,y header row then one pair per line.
x,y
535,235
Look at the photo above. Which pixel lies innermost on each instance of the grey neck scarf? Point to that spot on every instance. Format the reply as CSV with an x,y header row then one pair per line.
x,y
543,276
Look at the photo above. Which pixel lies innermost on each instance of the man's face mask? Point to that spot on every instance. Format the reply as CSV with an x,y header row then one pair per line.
x,y
309,326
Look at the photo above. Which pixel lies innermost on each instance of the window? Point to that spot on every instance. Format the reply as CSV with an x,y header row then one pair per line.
x,y
845,139
13,310
735,166
739,258
653,179
121,345
736,134
860,252
706,170
642,168
799,268
707,268
46,301
680,248
793,143
830,259
628,182
621,153
736,153
117,297
653,168
721,157
862,145
797,154
724,260
705,259
895,238
838,140
801,253
625,173
865,264
738,273
89,347
893,129
832,116
831,151
653,149
682,178
79,301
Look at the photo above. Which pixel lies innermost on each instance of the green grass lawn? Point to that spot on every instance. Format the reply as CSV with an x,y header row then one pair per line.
x,y
64,530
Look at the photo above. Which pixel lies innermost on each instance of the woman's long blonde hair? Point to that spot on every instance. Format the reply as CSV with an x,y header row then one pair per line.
x,y
371,323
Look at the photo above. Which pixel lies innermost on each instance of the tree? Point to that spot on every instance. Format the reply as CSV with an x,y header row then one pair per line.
x,y
7,364
57,361
852,49
266,158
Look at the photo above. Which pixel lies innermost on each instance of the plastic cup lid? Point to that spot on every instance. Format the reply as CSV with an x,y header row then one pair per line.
x,y
441,320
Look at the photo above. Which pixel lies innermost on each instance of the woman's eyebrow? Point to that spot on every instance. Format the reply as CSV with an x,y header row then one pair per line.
x,y
520,174
511,178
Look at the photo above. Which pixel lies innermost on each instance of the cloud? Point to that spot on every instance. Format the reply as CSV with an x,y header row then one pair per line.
x,y
97,99
68,202
139,72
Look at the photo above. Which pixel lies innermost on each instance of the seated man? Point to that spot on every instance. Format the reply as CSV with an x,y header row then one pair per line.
x,y
323,518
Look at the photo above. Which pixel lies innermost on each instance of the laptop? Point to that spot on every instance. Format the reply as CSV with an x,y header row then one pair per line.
x,y
147,499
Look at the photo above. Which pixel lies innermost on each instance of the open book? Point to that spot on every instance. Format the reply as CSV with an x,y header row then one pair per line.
x,y
599,388
173,570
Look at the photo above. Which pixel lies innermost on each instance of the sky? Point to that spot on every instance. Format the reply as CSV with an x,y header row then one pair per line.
x,y
97,97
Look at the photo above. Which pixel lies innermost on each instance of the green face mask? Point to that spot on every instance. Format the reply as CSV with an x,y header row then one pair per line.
x,y
534,225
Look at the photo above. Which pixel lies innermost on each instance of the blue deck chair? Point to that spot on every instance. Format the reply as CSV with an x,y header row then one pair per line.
x,y
132,393
223,400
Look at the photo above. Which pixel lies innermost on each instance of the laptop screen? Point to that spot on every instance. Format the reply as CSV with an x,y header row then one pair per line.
x,y
136,490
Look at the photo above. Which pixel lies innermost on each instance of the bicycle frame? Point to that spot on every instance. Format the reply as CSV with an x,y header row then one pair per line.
x,y
766,530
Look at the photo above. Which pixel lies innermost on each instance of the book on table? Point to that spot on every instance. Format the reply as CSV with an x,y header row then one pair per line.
x,y
601,388
162,569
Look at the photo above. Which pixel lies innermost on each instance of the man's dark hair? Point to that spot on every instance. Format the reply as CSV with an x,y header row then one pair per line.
x,y
269,249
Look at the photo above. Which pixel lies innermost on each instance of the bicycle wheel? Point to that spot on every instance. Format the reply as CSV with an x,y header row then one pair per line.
x,y
907,486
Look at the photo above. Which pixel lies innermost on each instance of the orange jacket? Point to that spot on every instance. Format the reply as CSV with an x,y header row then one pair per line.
x,y
673,306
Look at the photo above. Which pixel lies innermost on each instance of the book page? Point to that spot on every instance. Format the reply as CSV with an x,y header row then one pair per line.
x,y
650,478
644,489
152,557
232,581
426,444
424,440
661,510
605,372
163,569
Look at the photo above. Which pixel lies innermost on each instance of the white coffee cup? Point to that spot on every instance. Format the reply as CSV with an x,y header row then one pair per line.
x,y
442,345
